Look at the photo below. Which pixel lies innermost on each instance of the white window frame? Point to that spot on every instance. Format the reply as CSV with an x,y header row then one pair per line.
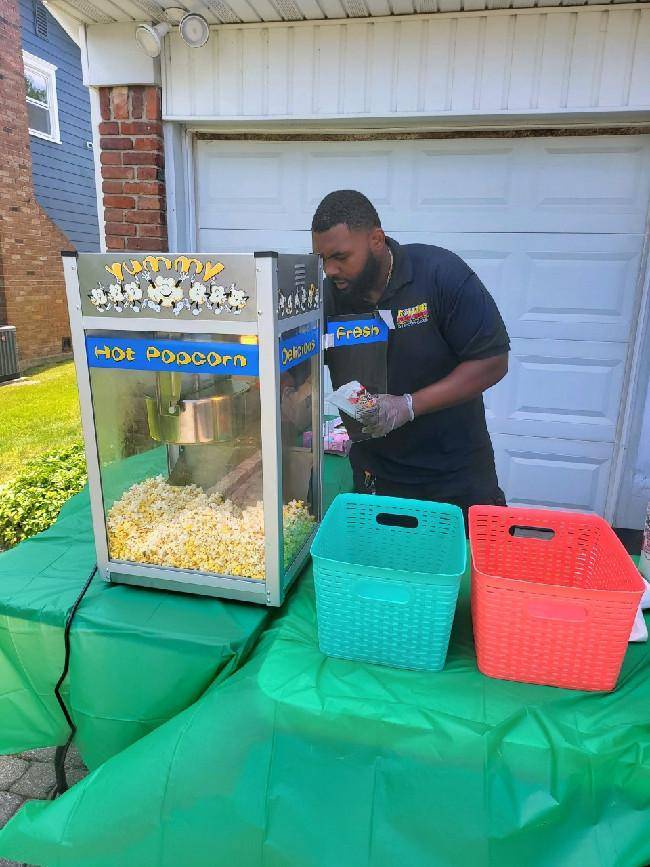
x,y
48,71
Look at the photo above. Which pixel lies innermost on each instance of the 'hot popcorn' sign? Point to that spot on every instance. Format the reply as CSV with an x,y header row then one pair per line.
x,y
178,356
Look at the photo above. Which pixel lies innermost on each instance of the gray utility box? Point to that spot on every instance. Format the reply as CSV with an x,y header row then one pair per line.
x,y
200,381
8,353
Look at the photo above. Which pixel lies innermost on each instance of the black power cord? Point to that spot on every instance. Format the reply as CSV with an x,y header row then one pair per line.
x,y
61,784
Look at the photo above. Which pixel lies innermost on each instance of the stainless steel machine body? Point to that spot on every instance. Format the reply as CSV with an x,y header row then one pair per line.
x,y
200,382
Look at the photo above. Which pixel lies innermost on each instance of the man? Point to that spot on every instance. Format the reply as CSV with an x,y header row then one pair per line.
x,y
446,344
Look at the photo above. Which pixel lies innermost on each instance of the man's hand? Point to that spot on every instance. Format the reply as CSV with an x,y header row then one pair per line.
x,y
392,411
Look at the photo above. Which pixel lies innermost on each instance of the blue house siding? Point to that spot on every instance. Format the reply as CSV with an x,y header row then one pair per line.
x,y
64,174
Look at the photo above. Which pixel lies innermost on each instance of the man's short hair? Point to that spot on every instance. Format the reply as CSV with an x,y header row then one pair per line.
x,y
345,206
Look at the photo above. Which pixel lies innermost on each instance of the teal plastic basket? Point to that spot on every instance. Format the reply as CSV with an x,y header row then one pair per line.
x,y
387,573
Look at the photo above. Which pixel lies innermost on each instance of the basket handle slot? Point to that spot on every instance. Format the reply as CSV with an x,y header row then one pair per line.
x,y
519,531
570,612
376,591
388,519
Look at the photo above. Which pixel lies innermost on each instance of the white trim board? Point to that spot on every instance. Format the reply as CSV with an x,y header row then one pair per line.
x,y
628,494
95,119
586,61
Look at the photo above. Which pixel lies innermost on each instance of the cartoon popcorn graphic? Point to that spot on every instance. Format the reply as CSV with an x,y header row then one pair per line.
x,y
170,291
133,294
116,296
99,298
237,299
218,298
198,296
163,291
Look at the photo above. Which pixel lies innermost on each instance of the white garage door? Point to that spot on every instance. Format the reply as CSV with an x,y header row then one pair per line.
x,y
553,226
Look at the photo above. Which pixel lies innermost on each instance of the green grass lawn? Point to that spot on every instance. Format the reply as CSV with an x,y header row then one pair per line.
x,y
38,413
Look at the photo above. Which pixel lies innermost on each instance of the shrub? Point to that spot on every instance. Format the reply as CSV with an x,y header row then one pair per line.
x,y
31,501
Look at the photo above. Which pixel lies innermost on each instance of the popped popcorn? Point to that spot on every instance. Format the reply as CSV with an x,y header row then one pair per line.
x,y
183,527
363,399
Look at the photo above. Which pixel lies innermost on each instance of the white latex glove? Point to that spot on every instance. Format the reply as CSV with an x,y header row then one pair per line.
x,y
391,412
639,628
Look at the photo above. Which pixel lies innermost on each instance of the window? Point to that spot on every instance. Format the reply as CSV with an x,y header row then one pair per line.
x,y
40,86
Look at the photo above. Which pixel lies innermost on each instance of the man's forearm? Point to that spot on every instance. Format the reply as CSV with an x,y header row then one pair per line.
x,y
468,380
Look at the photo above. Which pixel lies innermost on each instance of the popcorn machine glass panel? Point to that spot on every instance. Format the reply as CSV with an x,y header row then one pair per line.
x,y
181,467
299,394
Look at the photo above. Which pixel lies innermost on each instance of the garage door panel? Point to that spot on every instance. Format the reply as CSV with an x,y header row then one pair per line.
x,y
557,287
554,473
594,184
239,241
590,184
598,177
577,287
472,177
555,228
576,292
235,188
368,168
559,388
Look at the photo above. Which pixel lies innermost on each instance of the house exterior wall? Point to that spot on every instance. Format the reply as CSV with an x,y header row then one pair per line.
x,y
556,67
64,178
31,274
557,62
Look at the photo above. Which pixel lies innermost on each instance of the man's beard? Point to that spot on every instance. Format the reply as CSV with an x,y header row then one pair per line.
x,y
359,288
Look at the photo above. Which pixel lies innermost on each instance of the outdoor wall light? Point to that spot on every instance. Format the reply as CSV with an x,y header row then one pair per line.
x,y
150,36
194,30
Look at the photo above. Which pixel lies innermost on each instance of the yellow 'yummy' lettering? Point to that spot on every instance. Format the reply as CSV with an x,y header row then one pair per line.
x,y
184,263
152,263
212,270
115,270
135,268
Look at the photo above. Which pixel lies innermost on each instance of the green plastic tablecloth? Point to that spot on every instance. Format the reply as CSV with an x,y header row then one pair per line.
x,y
296,760
138,657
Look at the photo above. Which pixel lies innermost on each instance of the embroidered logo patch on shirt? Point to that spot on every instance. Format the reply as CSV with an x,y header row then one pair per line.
x,y
413,315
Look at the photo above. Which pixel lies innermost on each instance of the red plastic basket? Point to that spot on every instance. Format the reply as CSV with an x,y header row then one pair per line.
x,y
554,595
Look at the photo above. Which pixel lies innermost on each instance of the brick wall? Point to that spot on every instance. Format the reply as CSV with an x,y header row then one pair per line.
x,y
32,288
132,164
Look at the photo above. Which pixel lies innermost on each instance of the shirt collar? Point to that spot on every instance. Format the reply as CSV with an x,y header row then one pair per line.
x,y
402,271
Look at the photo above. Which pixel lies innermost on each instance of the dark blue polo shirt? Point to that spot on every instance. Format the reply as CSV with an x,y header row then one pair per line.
x,y
443,315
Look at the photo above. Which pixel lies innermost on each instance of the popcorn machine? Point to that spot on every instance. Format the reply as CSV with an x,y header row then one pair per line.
x,y
200,382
